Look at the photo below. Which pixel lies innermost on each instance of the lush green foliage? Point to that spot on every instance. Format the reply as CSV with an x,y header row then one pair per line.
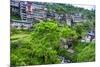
x,y
84,52
41,46
79,28
87,54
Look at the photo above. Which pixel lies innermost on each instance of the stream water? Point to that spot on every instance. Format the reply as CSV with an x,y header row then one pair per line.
x,y
64,61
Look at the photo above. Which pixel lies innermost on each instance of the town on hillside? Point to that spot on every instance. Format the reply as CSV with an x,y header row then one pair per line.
x,y
50,33
25,13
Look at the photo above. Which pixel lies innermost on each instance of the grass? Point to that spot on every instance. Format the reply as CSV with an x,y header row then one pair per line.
x,y
19,34
15,37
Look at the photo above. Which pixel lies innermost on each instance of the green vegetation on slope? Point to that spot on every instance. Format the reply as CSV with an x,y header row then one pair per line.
x,y
42,46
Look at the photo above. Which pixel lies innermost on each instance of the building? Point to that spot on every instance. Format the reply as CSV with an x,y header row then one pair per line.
x,y
15,8
26,11
77,17
69,20
20,9
20,24
30,12
39,11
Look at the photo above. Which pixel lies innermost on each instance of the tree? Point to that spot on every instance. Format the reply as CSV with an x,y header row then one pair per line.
x,y
79,28
42,46
87,54
89,25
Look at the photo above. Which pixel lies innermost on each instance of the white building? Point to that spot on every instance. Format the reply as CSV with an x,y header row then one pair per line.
x,y
20,24
77,17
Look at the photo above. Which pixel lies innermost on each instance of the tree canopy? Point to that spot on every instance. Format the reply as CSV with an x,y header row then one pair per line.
x,y
42,46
